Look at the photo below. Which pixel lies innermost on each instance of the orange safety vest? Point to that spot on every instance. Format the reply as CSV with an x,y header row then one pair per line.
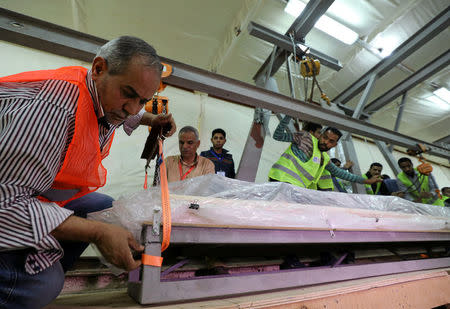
x,y
82,171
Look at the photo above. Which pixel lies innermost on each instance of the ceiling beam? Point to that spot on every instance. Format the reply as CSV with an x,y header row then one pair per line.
x,y
31,32
285,43
410,82
416,41
444,141
299,28
80,46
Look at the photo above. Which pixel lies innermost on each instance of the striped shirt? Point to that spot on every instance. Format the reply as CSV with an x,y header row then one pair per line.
x,y
302,147
37,122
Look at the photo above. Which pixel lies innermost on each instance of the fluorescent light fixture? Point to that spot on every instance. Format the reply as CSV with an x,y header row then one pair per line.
x,y
294,7
325,23
337,30
438,102
443,94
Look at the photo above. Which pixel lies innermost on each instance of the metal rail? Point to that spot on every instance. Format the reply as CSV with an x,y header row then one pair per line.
x,y
149,288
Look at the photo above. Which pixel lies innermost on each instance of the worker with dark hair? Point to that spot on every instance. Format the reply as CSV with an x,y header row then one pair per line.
x,y
415,186
445,196
336,162
56,127
374,171
304,161
313,128
339,184
187,164
388,186
347,166
444,200
222,159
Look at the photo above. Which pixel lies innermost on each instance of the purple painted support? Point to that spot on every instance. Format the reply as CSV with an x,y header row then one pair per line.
x,y
173,267
134,275
153,290
338,262
227,285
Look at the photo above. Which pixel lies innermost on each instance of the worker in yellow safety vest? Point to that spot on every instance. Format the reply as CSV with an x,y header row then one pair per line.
x,y
324,182
444,200
339,184
415,186
374,171
305,162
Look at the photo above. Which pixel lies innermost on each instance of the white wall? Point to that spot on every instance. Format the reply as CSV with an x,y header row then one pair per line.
x,y
126,169
16,59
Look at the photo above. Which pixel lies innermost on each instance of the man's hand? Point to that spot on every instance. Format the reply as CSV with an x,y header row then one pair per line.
x,y
372,180
114,242
399,194
425,194
348,165
161,120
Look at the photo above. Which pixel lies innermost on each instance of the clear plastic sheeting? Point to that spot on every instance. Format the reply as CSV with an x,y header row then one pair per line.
x,y
227,202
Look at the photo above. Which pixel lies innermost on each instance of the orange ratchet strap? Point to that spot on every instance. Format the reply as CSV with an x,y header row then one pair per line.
x,y
166,215
151,260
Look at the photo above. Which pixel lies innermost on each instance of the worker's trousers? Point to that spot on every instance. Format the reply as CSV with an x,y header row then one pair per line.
x,y
91,202
18,289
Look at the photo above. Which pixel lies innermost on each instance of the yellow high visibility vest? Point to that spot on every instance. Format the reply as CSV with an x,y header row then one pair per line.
x,y
369,187
440,201
291,169
325,182
423,179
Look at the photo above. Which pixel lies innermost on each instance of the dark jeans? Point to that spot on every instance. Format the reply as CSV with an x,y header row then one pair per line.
x,y
91,202
18,289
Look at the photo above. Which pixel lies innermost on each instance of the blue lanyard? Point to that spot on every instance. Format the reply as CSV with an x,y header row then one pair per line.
x,y
214,154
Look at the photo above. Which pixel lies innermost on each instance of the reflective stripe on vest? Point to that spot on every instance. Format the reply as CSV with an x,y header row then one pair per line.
x,y
300,168
290,169
291,173
412,189
325,181
82,171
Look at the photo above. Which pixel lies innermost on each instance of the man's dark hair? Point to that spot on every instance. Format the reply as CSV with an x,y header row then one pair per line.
x,y
335,160
376,164
385,176
404,159
118,53
311,126
335,131
218,130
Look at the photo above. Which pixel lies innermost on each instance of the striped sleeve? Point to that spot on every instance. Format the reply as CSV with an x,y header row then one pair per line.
x,y
132,122
280,134
36,124
343,174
